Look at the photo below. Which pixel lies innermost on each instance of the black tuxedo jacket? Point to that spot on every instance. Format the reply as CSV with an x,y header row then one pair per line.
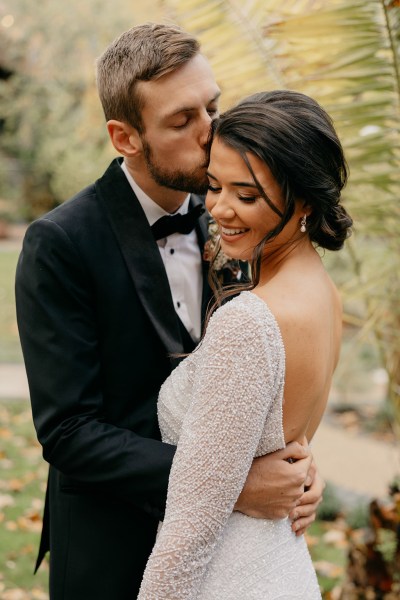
x,y
97,327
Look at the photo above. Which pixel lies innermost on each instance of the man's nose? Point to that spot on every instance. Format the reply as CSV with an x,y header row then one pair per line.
x,y
205,127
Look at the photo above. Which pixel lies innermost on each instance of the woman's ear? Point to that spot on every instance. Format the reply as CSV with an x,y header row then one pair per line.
x,y
305,208
125,138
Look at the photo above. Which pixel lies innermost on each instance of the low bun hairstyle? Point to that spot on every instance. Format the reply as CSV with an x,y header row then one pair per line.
x,y
295,138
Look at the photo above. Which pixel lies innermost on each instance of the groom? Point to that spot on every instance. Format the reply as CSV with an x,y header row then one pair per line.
x,y
104,298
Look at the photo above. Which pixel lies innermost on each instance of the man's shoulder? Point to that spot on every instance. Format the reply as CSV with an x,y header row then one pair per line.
x,y
83,202
72,210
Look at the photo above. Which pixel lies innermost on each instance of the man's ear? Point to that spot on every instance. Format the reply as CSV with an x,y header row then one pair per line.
x,y
125,138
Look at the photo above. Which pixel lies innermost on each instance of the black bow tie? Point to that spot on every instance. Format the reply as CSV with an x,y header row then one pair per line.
x,y
178,223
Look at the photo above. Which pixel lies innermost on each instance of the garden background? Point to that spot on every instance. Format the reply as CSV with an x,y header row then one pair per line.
x,y
346,54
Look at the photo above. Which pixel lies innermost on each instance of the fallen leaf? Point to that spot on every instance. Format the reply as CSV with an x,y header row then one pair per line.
x,y
335,537
38,594
32,522
37,504
26,550
31,452
19,441
6,500
312,540
328,569
15,594
15,485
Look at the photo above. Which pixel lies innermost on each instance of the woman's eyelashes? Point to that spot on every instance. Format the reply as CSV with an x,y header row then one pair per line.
x,y
248,199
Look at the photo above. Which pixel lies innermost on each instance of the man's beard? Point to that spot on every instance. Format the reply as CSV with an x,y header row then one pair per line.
x,y
194,181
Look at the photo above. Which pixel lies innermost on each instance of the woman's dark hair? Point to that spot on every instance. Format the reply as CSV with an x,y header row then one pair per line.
x,y
293,135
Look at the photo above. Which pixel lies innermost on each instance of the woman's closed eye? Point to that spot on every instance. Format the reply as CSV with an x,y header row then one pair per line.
x,y
248,199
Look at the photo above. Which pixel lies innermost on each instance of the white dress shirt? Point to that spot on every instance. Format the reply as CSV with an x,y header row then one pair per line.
x,y
182,260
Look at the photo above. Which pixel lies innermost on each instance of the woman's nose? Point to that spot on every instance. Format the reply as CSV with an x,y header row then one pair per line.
x,y
221,208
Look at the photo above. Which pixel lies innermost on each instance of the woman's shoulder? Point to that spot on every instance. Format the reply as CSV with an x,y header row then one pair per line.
x,y
247,312
309,315
243,332
300,301
247,304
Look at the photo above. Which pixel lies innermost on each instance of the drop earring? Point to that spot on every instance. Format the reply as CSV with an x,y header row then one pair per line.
x,y
303,224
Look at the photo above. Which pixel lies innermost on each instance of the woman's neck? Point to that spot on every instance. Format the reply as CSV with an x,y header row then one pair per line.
x,y
292,256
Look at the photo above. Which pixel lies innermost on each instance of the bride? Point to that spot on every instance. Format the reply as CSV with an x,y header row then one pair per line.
x,y
260,377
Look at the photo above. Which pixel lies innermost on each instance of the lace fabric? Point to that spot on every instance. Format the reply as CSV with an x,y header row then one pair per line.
x,y
223,404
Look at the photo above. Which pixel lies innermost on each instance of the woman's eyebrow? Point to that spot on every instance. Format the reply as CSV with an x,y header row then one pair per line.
x,y
248,184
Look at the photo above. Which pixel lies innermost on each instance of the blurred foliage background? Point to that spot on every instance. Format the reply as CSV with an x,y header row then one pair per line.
x,y
344,53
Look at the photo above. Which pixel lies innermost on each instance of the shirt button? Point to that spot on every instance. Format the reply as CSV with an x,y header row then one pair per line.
x,y
178,304
171,251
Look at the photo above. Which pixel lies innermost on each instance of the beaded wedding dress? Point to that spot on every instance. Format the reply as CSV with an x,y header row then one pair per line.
x,y
223,403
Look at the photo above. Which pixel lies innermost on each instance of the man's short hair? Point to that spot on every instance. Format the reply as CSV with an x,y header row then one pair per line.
x,y
142,53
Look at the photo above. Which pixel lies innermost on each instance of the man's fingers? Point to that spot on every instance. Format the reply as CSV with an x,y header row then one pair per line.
x,y
299,527
305,511
302,520
303,515
314,493
311,474
294,450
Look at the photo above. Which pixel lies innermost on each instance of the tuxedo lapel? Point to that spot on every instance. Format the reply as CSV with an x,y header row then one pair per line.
x,y
141,254
202,236
202,223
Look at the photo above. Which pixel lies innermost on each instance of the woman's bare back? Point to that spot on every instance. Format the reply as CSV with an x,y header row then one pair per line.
x,y
307,307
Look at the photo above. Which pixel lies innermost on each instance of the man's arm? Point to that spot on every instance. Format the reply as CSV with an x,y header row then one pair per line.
x,y
56,312
275,487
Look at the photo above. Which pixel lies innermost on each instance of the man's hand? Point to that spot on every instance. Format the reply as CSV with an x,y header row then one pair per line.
x,y
304,514
274,487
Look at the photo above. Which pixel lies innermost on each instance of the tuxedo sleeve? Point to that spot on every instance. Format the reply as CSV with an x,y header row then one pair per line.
x,y
56,313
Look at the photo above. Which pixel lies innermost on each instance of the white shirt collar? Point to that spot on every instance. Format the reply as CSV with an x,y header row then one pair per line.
x,y
151,209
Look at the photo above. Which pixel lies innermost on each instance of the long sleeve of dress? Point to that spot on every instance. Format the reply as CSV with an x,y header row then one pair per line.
x,y
235,375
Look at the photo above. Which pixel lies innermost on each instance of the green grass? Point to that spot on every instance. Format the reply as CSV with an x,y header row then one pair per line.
x,y
10,350
22,485
329,557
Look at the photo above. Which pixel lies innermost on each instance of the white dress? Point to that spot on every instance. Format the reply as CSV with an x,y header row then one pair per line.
x,y
223,404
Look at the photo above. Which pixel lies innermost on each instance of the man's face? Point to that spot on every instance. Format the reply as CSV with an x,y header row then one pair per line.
x,y
178,110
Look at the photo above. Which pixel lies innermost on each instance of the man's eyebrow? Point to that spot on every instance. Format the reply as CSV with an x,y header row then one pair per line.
x,y
191,108
216,97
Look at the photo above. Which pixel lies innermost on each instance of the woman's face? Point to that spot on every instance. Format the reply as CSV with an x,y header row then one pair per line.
x,y
234,201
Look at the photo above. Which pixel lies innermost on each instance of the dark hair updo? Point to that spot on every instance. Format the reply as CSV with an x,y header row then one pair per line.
x,y
295,138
